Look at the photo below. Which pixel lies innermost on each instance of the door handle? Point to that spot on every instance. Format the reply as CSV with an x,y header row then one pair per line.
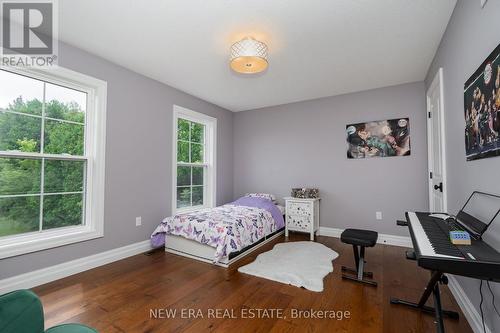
x,y
440,187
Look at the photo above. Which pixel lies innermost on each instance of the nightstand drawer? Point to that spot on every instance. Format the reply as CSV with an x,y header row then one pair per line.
x,y
299,208
298,222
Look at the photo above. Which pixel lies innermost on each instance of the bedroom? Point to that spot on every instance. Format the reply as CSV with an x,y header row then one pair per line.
x,y
146,117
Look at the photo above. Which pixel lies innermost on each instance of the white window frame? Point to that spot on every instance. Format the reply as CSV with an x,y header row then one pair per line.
x,y
210,156
95,139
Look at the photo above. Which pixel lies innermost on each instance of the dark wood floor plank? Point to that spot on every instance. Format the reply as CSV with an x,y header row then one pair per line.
x,y
118,297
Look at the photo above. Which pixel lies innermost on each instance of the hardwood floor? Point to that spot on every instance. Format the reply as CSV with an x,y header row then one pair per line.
x,y
118,297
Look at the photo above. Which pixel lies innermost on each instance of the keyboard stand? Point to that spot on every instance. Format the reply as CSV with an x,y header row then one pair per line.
x,y
432,288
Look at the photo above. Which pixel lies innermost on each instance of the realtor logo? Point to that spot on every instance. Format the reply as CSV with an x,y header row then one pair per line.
x,y
29,33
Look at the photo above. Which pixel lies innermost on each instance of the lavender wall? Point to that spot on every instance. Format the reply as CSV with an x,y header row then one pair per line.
x,y
138,159
304,144
471,35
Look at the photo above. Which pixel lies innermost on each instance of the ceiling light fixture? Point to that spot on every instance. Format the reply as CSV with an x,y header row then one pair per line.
x,y
248,56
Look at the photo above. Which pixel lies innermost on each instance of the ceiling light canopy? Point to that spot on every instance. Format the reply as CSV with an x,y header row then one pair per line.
x,y
248,56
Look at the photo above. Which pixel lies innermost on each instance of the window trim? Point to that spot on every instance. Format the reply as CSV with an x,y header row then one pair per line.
x,y
210,153
95,143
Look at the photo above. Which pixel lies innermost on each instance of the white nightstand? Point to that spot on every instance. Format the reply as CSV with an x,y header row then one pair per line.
x,y
302,215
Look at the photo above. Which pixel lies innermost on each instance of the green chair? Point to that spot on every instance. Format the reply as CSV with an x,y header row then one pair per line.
x,y
21,312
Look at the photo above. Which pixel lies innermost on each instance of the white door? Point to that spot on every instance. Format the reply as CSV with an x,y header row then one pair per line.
x,y
436,145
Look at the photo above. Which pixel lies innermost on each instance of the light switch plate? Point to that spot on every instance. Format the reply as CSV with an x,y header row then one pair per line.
x,y
138,221
378,215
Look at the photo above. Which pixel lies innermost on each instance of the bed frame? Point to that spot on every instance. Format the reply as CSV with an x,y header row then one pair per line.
x,y
194,250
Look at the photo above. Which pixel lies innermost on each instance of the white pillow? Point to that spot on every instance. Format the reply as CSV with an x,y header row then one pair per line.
x,y
261,195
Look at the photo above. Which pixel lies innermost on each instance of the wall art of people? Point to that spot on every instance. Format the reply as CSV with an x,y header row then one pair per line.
x,y
482,109
383,138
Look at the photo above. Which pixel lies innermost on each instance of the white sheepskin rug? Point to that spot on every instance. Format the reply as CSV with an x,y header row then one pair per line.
x,y
301,264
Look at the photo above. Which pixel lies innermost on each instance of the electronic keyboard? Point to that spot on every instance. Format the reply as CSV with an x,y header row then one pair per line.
x,y
433,249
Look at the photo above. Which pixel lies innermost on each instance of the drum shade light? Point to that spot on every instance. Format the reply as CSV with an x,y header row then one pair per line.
x,y
248,56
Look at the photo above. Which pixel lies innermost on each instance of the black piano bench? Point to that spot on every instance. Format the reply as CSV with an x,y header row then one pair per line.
x,y
359,239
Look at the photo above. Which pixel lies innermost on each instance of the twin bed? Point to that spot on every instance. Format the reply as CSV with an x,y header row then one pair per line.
x,y
224,234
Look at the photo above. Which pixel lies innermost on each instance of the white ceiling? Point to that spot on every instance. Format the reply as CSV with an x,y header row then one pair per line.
x,y
317,48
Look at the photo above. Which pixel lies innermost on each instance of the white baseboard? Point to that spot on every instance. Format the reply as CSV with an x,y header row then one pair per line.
x,y
470,312
382,238
52,273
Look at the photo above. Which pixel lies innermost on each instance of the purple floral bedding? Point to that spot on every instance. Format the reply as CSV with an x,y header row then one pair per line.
x,y
228,228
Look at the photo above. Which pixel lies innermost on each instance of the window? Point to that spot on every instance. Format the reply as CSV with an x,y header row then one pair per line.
x,y
194,160
52,127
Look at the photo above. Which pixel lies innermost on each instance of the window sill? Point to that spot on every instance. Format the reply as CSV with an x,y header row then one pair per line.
x,y
17,245
188,210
